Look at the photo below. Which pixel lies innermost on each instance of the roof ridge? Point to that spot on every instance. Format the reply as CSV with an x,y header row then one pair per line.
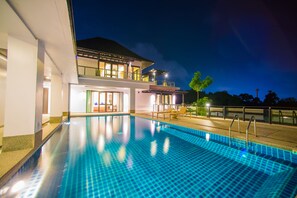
x,y
110,46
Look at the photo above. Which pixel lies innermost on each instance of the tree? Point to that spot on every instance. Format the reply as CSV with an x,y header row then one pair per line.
x,y
246,98
197,84
288,102
271,99
256,101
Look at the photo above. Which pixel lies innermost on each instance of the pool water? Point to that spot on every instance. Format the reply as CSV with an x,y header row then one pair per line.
x,y
126,156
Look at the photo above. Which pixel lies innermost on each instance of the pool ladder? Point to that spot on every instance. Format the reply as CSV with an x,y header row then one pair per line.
x,y
235,117
246,131
248,127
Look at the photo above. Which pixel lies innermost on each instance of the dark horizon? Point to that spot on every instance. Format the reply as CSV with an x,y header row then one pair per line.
x,y
242,45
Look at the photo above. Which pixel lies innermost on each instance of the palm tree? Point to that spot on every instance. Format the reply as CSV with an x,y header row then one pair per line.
x,y
197,84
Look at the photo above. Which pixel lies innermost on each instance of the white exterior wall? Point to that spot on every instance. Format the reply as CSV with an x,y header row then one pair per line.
x,y
78,99
56,96
129,88
2,94
65,96
21,88
144,101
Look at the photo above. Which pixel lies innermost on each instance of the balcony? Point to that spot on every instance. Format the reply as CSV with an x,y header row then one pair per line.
x,y
106,73
86,71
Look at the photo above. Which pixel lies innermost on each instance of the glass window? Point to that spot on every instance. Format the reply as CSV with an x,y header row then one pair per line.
x,y
121,71
95,101
116,101
101,69
135,73
108,70
114,71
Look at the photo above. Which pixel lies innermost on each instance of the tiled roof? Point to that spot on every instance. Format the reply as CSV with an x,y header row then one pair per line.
x,y
106,45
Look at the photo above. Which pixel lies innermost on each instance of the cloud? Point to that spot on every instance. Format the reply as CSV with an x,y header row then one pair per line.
x,y
177,72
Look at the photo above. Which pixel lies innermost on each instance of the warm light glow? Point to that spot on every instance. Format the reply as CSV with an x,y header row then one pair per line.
x,y
108,129
107,158
153,148
152,128
122,154
3,57
94,129
173,99
126,132
3,191
152,100
18,186
101,143
207,136
207,105
82,139
126,102
166,145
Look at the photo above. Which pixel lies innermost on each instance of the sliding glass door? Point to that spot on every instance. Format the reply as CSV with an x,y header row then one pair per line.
x,y
104,101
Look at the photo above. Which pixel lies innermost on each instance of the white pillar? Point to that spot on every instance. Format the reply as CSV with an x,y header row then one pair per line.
x,y
65,96
56,99
24,91
132,100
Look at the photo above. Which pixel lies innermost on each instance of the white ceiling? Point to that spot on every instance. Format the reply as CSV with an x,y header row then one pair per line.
x,y
48,21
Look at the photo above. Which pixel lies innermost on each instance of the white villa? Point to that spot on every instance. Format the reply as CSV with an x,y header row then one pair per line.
x,y
110,79
44,73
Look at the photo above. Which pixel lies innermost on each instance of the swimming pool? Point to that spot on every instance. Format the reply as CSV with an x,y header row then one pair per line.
x,y
126,156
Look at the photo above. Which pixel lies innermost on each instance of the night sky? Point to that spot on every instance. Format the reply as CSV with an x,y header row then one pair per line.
x,y
242,45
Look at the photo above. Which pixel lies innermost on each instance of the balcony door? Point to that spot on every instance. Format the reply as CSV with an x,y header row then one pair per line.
x,y
113,71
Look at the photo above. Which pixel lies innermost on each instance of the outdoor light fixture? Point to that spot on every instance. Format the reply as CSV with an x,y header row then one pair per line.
x,y
207,105
166,75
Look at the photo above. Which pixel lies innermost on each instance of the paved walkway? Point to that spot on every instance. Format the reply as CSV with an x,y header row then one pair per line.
x,y
270,134
13,159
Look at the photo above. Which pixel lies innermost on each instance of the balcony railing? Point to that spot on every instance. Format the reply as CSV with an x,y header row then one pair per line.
x,y
272,115
106,73
165,83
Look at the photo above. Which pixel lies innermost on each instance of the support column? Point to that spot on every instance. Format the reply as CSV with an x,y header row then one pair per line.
x,y
56,99
65,96
24,95
132,100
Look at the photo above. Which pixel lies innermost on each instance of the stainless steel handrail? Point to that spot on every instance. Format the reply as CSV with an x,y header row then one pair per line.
x,y
235,117
247,129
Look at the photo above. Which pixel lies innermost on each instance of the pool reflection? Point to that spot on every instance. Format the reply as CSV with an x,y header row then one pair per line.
x,y
112,137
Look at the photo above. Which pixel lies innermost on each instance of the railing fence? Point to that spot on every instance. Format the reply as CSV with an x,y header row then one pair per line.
x,y
275,115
